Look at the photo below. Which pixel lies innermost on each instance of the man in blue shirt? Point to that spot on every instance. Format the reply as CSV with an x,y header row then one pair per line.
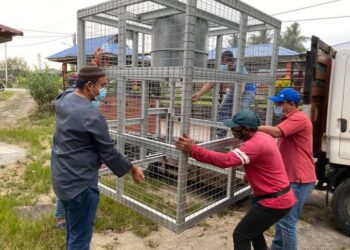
x,y
225,108
81,143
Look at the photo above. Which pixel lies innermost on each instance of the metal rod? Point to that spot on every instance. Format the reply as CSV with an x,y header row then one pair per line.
x,y
216,89
273,69
171,112
144,116
240,62
81,43
121,88
6,73
186,106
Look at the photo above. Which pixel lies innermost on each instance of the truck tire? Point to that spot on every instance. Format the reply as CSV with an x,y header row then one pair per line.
x,y
341,206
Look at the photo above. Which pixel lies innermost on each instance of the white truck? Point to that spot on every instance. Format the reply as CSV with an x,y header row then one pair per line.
x,y
327,100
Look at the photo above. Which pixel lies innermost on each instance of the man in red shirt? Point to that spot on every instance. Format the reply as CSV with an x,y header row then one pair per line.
x,y
295,143
264,171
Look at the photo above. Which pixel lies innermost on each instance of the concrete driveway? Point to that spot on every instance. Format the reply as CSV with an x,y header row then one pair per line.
x,y
20,90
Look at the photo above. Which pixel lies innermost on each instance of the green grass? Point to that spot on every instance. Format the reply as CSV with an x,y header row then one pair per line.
x,y
17,232
143,192
150,193
24,233
35,135
5,95
114,216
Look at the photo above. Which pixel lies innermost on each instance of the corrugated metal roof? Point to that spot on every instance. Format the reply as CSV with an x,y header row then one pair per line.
x,y
14,32
107,43
6,33
259,50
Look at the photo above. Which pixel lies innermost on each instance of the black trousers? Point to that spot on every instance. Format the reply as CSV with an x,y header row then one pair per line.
x,y
253,225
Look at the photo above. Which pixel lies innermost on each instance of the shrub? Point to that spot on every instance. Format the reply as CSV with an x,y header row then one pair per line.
x,y
43,87
22,82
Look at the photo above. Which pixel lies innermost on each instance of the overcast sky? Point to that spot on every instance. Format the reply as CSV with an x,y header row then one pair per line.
x,y
59,17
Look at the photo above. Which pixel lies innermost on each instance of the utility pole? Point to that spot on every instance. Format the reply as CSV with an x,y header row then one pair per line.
x,y
74,39
6,77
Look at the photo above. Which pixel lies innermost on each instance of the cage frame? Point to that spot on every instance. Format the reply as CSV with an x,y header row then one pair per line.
x,y
189,74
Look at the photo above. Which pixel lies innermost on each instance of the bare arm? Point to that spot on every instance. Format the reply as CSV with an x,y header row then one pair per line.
x,y
205,89
98,56
274,131
242,88
218,159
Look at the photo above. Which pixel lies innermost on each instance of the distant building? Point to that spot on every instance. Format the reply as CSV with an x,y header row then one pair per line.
x,y
6,33
110,56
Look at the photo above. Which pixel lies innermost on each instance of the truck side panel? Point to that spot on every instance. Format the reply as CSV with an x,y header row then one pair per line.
x,y
338,112
345,116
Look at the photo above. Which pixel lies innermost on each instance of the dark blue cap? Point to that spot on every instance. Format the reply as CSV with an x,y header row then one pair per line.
x,y
243,119
287,94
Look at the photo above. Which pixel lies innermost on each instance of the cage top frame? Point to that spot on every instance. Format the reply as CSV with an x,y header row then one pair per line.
x,y
143,22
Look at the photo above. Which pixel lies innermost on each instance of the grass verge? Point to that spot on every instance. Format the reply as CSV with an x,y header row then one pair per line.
x,y
18,232
5,95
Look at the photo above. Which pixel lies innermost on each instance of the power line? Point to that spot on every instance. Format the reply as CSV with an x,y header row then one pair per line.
x,y
21,37
25,45
43,31
314,19
304,8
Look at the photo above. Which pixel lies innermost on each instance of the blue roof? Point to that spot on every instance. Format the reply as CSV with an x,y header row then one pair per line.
x,y
105,42
259,50
108,45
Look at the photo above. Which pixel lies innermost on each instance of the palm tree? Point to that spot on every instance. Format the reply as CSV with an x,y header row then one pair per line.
x,y
233,41
262,37
292,38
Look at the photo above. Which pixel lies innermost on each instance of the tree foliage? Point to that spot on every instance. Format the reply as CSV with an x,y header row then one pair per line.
x,y
292,38
16,67
262,37
43,87
233,41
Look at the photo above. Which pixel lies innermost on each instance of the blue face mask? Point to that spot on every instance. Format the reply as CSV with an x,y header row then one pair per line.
x,y
95,104
102,94
277,110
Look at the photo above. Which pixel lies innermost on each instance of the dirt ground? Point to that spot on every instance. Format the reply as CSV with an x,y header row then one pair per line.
x,y
19,106
316,229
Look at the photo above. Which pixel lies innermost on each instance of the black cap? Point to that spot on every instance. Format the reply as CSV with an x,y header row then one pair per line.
x,y
90,72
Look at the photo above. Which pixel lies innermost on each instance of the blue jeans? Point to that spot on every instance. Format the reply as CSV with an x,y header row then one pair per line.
x,y
225,108
80,216
286,228
59,209
247,100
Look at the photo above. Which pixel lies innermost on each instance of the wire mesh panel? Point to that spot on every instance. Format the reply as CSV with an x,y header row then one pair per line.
x,y
179,67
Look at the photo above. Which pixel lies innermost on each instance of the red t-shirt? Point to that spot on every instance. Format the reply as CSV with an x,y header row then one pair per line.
x,y
263,167
296,147
96,62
